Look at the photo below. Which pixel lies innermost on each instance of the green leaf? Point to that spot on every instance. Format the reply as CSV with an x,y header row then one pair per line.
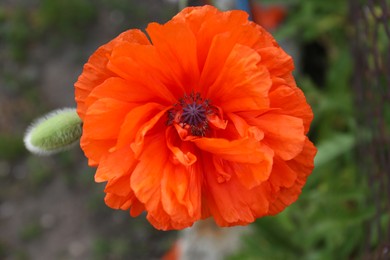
x,y
333,147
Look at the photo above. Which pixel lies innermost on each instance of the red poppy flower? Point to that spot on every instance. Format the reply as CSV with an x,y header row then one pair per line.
x,y
201,118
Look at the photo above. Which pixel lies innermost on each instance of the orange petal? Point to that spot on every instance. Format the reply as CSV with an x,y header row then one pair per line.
x,y
138,143
143,68
136,208
249,174
169,192
179,156
277,61
119,89
95,71
289,79
135,120
118,202
181,192
146,177
176,45
242,85
252,175
245,130
162,221
119,194
221,47
282,175
102,111
119,186
245,150
283,134
115,164
216,121
230,202
303,165
266,39
210,25
222,170
292,102
146,182
95,149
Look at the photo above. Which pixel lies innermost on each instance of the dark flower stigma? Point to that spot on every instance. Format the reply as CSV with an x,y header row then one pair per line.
x,y
191,112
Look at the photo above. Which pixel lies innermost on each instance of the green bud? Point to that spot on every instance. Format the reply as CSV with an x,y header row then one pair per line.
x,y
54,132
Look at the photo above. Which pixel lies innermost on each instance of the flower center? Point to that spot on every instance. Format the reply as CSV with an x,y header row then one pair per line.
x,y
191,113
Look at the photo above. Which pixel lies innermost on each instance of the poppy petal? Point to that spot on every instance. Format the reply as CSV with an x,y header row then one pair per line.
x,y
143,68
115,164
282,175
242,84
138,143
283,133
146,178
120,90
245,150
119,186
180,189
135,119
185,158
221,46
292,102
102,111
118,202
251,174
95,149
230,202
244,129
136,208
95,71
276,60
303,165
176,45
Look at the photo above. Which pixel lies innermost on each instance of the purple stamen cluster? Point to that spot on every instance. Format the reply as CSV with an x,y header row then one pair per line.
x,y
194,111
193,114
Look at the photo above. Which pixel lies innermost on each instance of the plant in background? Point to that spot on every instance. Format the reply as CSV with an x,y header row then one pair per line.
x,y
336,225
66,18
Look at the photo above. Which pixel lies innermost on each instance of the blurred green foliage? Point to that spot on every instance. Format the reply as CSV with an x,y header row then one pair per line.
x,y
40,173
3,249
11,147
21,26
16,32
31,231
68,18
107,249
313,19
327,221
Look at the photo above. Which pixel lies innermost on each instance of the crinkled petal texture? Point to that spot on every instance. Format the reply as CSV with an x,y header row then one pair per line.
x,y
252,160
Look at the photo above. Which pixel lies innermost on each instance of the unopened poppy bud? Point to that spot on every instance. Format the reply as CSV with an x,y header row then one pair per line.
x,y
54,132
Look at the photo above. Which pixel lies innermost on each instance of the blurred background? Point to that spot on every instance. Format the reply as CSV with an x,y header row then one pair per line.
x,y
50,207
